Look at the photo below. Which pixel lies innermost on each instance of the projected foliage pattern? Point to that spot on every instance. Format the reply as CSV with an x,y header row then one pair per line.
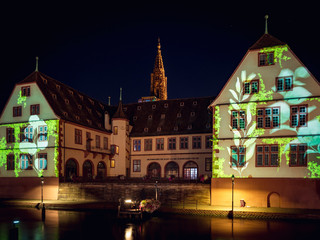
x,y
247,136
30,142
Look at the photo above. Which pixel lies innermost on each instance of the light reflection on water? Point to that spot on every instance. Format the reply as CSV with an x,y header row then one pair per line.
x,y
105,225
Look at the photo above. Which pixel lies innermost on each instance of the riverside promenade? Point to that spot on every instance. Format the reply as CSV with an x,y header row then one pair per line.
x,y
176,208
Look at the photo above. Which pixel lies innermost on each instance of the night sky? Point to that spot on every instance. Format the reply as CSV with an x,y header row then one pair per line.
x,y
97,48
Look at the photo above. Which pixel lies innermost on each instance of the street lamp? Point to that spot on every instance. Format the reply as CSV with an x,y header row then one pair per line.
x,y
232,179
42,182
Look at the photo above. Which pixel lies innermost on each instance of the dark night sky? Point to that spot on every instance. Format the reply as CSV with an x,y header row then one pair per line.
x,y
97,48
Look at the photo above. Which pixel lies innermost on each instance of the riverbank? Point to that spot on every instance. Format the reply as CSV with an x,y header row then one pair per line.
x,y
177,208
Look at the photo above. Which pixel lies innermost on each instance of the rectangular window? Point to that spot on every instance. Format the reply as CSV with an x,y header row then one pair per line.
x,y
284,83
10,135
43,133
97,141
298,115
137,165
238,156
42,161
148,144
196,142
298,155
208,142
238,119
136,145
35,109
184,143
114,149
105,143
10,162
25,91
17,111
88,141
112,163
171,143
78,136
26,162
266,59
115,130
26,134
268,117
159,144
251,87
208,164
267,156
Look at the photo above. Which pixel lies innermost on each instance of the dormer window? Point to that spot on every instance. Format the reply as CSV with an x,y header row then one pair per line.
x,y
89,121
166,105
79,106
135,118
145,130
266,59
80,96
70,92
139,108
58,86
91,101
89,110
150,117
163,116
189,126
175,128
178,115
194,103
192,114
54,96
181,104
77,118
25,91
154,106
66,101
65,114
158,129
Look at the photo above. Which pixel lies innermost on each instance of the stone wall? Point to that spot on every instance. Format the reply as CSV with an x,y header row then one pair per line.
x,y
111,192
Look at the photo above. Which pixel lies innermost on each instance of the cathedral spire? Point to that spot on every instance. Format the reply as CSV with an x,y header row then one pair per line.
x,y
158,87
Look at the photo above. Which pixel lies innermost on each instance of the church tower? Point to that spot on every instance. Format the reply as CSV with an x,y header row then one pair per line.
x,y
158,87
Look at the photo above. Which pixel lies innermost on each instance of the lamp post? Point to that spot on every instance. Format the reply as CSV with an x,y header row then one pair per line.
x,y
42,182
232,179
156,185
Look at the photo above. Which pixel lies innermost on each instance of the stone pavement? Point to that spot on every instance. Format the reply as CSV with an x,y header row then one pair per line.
x,y
177,208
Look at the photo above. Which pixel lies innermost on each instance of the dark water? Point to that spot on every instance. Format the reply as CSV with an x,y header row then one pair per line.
x,y
104,225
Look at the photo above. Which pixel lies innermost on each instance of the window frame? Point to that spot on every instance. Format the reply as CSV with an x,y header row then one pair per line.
x,y
25,91
98,142
284,88
17,111
10,162
208,164
148,144
35,109
264,116
297,153
196,142
299,114
136,165
251,86
78,136
105,143
184,143
10,135
266,61
136,144
269,153
159,144
43,156
172,143
238,118
238,154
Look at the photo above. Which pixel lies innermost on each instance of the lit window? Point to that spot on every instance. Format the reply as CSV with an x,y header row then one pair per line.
x,y
43,133
42,161
284,84
159,144
112,163
27,134
25,161
298,116
137,165
267,156
298,155
115,130
238,156
136,145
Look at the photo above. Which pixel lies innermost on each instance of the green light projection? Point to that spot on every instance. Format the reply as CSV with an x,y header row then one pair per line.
x,y
250,102
41,133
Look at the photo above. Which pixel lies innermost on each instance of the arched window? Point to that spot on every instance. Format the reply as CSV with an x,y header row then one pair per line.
x,y
101,170
71,169
190,170
172,170
87,170
154,170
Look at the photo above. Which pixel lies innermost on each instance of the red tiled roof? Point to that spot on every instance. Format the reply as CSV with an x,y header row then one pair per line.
x,y
266,40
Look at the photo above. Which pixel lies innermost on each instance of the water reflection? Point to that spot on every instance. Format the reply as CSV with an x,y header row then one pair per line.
x,y
105,225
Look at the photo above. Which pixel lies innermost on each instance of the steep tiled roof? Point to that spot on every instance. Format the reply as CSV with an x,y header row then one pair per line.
x,y
70,104
167,117
266,40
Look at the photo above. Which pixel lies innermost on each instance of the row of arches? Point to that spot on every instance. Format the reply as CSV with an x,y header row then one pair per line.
x,y
72,167
171,170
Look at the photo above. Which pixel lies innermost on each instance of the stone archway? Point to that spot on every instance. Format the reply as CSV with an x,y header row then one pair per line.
x,y
190,170
87,170
154,170
172,170
101,170
71,169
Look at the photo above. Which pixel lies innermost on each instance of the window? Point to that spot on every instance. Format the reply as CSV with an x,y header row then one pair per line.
x,y
97,141
266,59
35,109
298,155
284,83
148,144
114,149
43,133
238,120
251,87
298,116
267,156
25,91
196,142
112,163
10,135
136,145
78,136
268,117
26,134
10,162
115,130
105,143
208,165
184,142
238,156
172,143
137,165
208,142
88,141
159,144
25,162
17,111
42,161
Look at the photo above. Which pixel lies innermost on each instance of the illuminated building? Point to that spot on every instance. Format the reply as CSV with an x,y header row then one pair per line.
x,y
52,130
270,131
